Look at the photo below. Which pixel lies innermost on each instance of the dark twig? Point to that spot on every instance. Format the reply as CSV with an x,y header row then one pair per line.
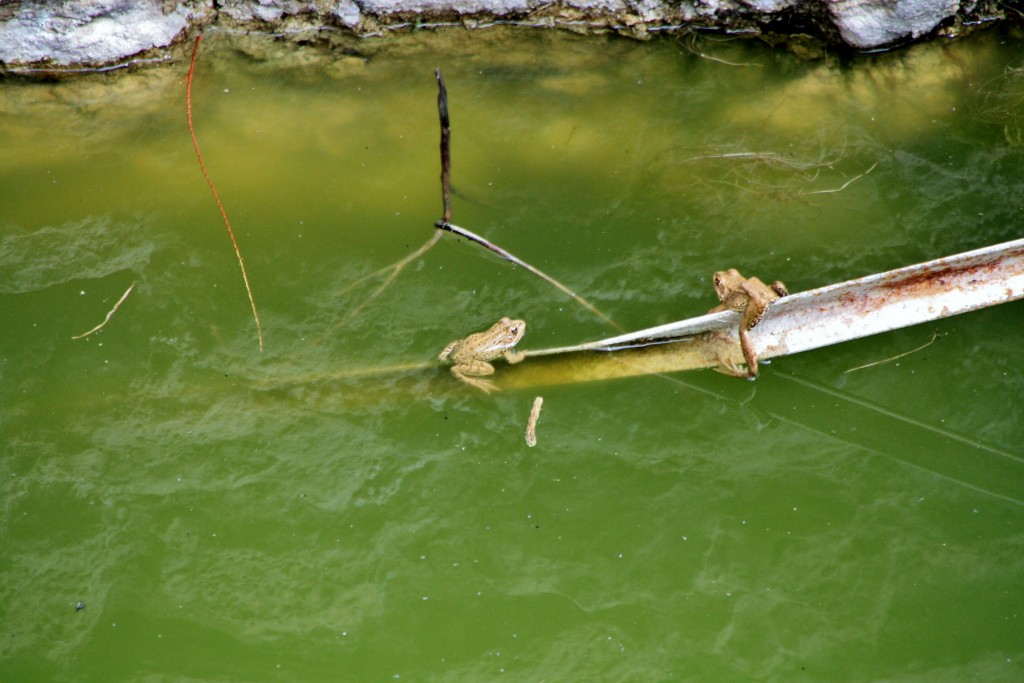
x,y
446,157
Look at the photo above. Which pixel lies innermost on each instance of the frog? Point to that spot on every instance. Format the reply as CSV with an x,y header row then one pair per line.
x,y
751,297
471,357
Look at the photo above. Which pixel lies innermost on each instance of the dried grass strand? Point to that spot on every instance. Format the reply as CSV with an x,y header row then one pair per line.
x,y
110,314
846,184
896,357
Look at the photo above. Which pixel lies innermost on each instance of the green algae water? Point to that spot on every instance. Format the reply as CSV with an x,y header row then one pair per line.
x,y
177,505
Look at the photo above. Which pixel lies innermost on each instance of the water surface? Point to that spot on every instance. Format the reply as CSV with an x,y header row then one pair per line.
x,y
226,515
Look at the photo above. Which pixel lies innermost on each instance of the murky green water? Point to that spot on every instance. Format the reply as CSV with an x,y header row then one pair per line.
x,y
814,525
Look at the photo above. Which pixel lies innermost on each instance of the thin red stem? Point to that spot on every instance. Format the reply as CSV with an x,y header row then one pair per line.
x,y
216,197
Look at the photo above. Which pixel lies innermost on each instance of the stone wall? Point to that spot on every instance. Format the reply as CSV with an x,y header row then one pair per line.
x,y
49,34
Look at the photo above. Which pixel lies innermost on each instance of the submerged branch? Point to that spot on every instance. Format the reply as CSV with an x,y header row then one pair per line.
x,y
392,271
446,224
806,171
768,158
473,237
216,196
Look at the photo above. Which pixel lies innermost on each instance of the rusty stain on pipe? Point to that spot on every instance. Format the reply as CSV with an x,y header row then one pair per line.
x,y
891,300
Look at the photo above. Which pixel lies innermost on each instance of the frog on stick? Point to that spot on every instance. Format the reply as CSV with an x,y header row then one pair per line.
x,y
751,297
471,357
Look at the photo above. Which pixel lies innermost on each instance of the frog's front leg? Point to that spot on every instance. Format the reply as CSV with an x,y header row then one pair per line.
x,y
512,357
749,356
726,365
751,316
471,374
759,297
446,352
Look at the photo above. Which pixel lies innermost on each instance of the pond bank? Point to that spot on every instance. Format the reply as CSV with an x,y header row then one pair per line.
x,y
67,35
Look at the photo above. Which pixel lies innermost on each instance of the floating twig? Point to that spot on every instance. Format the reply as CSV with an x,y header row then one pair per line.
x,y
897,357
216,197
690,47
531,423
768,158
110,314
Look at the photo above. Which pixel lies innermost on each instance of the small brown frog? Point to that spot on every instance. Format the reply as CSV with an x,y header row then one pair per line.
x,y
751,297
470,357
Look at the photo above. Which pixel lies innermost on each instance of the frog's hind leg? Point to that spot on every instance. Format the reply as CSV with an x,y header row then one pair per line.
x,y
727,366
484,385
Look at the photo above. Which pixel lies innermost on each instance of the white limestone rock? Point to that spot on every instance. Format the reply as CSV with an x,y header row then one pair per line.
x,y
876,23
93,32
66,33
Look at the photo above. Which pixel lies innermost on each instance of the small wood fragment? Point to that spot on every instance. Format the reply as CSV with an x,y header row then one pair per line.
x,y
531,423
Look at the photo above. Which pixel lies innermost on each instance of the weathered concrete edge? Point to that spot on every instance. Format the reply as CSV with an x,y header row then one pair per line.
x,y
54,35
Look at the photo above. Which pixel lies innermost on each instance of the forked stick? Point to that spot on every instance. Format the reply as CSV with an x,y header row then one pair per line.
x,y
445,222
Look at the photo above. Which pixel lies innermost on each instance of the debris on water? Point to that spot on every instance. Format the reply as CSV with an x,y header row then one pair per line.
x,y
531,423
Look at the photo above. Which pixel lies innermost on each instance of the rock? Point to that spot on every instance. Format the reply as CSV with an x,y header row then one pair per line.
x,y
874,23
91,32
51,34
